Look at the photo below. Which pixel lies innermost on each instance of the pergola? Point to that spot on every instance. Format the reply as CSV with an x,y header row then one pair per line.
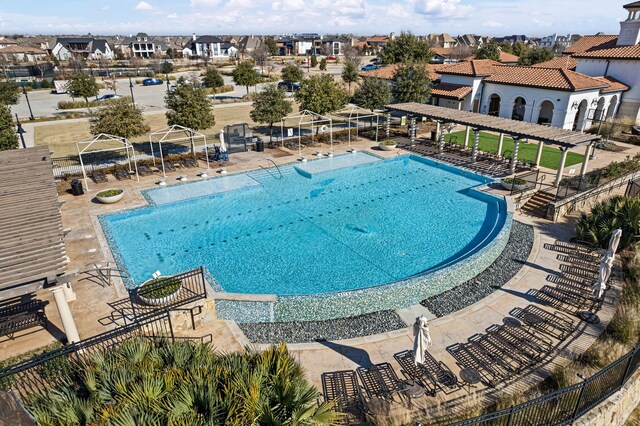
x,y
113,143
353,114
564,139
304,118
176,134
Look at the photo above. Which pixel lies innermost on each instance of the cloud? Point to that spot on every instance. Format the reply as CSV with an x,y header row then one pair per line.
x,y
204,3
143,5
493,24
104,8
172,16
239,4
289,5
537,22
441,8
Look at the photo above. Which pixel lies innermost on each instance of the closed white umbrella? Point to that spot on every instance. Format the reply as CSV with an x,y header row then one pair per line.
x,y
606,264
223,147
614,242
422,339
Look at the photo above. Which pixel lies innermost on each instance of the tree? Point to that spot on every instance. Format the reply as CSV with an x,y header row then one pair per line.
x,y
120,118
314,61
270,106
245,75
213,79
352,54
260,55
323,64
81,85
272,46
292,73
505,46
167,67
350,74
372,94
188,106
321,94
8,135
411,83
489,51
519,48
460,52
535,55
406,48
170,53
9,93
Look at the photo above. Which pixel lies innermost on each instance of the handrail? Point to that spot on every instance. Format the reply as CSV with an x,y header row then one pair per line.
x,y
278,168
269,171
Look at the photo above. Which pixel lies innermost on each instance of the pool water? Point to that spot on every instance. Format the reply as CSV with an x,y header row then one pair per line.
x,y
322,229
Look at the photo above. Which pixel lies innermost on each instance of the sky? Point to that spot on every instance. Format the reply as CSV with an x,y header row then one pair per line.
x,y
361,17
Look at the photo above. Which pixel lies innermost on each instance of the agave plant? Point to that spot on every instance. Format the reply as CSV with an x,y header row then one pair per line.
x,y
143,382
616,212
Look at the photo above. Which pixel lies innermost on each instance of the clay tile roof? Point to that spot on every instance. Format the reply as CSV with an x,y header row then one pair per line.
x,y
442,51
567,62
387,72
619,52
378,38
451,91
614,85
546,78
508,57
475,67
590,42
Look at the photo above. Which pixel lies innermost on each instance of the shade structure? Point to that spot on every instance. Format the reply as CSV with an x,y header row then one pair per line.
x,y
606,264
614,242
422,339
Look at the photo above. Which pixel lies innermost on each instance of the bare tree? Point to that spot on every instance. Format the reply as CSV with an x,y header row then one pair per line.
x,y
4,65
260,55
352,54
136,62
460,52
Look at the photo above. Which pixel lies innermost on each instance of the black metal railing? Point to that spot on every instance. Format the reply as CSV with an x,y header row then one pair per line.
x,y
531,182
42,371
567,404
633,188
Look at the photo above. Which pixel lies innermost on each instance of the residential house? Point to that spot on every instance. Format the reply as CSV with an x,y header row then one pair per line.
x,y
19,54
34,41
82,48
6,42
513,39
141,45
211,47
471,40
331,45
441,40
248,44
505,58
374,45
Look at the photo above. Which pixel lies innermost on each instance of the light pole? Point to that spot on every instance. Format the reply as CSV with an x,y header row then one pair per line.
x,y
24,92
133,101
21,132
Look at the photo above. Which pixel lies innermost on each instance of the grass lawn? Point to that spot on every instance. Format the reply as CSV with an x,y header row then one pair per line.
x,y
526,152
62,137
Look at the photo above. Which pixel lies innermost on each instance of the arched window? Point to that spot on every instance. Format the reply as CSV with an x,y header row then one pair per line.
x,y
612,106
518,109
581,116
546,113
494,105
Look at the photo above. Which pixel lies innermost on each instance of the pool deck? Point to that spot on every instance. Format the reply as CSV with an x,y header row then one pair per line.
x,y
92,308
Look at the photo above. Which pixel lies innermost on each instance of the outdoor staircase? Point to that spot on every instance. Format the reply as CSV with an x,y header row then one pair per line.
x,y
537,205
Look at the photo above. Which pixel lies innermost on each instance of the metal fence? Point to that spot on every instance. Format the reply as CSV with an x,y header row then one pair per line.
x,y
43,371
565,405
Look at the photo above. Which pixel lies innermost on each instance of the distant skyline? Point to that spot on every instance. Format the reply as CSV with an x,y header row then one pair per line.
x,y
360,17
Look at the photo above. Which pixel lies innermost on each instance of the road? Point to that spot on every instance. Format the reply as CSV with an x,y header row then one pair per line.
x,y
149,98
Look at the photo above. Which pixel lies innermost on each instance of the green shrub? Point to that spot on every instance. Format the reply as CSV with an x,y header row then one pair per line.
x,y
388,143
514,181
158,288
596,226
109,193
76,104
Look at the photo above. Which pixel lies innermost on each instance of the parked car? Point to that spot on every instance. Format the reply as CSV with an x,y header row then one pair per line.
x,y
151,81
108,97
376,60
371,67
331,58
289,86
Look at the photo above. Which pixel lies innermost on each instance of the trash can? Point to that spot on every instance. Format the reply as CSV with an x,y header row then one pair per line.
x,y
259,145
76,187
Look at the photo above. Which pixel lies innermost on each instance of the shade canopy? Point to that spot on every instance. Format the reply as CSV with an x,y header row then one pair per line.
x,y
106,143
177,134
521,129
306,118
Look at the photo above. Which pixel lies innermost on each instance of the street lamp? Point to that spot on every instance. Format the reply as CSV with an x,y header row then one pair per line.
x,y
21,132
167,77
24,92
133,101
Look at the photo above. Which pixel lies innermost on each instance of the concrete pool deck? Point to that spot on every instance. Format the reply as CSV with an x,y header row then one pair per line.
x,y
92,308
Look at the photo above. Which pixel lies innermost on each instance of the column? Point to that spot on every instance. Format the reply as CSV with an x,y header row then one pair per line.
x,y
563,158
500,143
476,142
441,138
413,130
585,163
68,324
539,153
387,126
514,157
438,126
467,133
